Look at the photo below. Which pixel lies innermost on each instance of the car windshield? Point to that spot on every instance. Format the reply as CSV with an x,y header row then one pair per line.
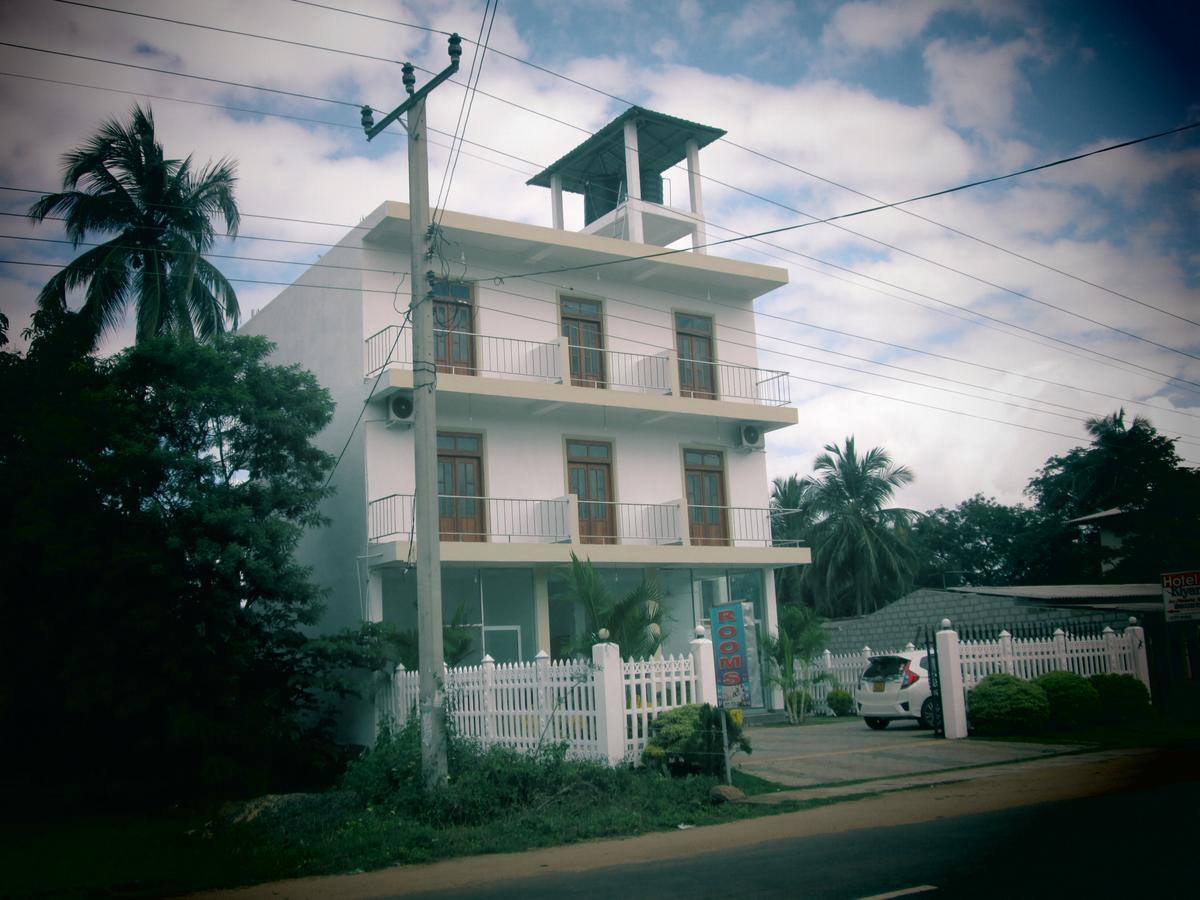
x,y
884,667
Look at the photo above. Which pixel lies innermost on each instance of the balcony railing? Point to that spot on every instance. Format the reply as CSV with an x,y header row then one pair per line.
x,y
727,381
481,354
563,520
558,362
477,519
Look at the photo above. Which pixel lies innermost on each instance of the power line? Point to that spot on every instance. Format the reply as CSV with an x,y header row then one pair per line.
x,y
769,158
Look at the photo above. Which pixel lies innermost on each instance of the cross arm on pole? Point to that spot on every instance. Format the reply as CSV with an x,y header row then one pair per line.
x,y
368,117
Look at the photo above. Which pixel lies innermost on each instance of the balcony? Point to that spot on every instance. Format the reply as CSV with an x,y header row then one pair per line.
x,y
551,373
524,531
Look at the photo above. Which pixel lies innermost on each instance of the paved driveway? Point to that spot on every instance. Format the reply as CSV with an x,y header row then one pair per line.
x,y
846,750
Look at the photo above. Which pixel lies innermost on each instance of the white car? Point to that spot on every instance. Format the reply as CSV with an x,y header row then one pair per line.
x,y
896,686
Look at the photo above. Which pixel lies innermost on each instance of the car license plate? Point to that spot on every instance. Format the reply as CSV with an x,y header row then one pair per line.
x,y
877,687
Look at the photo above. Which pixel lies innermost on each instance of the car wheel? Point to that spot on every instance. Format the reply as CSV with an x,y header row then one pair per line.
x,y
931,713
876,724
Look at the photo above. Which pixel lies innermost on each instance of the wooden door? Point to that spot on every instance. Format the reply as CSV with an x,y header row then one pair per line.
x,y
589,476
460,488
581,326
697,366
453,336
704,476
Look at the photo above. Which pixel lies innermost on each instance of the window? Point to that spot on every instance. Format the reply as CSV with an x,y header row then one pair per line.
x,y
704,478
581,326
453,321
460,487
589,477
697,367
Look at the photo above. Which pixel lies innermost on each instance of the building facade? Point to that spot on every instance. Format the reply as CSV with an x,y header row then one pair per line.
x,y
592,399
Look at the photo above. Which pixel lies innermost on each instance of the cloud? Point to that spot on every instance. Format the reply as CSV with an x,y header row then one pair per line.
x,y
879,24
975,84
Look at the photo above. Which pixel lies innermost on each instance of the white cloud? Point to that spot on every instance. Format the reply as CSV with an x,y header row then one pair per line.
x,y
976,84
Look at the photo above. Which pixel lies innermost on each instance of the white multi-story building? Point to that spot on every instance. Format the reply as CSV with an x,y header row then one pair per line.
x,y
591,398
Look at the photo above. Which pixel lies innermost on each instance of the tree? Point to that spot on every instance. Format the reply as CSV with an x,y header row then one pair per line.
x,y
793,650
633,622
791,523
862,557
1131,469
978,542
160,213
154,613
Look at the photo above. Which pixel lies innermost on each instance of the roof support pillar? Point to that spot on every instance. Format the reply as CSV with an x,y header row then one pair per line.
x,y
633,183
700,234
556,203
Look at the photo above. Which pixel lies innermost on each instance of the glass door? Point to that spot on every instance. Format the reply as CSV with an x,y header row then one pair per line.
x,y
453,338
589,477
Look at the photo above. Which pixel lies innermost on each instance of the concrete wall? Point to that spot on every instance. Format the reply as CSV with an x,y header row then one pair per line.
x,y
898,623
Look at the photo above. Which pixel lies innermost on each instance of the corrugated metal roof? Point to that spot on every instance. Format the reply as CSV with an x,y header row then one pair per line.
x,y
1067,591
662,143
1104,514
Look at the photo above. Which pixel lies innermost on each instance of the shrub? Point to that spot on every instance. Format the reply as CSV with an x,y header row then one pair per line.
x,y
687,740
1123,699
1073,702
1003,704
840,702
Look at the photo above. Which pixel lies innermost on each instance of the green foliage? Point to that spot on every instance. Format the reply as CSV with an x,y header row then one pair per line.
x,y
1073,702
635,622
1004,704
841,702
157,214
792,516
687,740
1123,699
152,505
862,554
979,542
793,651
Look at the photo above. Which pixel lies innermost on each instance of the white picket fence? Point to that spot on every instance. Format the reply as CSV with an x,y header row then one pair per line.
x,y
1086,655
600,709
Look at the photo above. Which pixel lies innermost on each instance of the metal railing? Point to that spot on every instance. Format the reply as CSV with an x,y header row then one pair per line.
x,y
733,526
629,371
462,518
484,354
727,381
609,522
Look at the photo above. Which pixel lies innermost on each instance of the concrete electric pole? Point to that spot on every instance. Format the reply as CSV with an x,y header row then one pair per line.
x,y
429,564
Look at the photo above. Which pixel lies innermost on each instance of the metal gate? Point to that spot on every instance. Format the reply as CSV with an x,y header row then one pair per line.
x,y
935,681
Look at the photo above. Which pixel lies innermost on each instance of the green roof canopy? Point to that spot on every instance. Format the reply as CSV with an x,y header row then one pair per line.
x,y
662,143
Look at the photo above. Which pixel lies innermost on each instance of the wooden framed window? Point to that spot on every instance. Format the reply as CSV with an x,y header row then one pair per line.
x,y
460,487
704,478
453,327
697,364
589,477
582,326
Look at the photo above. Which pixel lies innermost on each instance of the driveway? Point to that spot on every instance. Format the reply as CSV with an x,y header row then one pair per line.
x,y
847,750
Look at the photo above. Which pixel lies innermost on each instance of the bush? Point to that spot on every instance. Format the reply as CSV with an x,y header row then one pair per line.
x,y
1004,704
1073,702
687,740
1123,699
840,702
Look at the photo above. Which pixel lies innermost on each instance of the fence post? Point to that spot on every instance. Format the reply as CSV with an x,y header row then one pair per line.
x,y
1136,636
1060,650
1112,649
705,668
487,703
954,701
610,701
1006,651
541,664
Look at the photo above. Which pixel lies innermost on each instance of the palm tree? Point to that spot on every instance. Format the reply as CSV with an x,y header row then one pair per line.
x,y
633,622
793,650
791,524
861,549
161,213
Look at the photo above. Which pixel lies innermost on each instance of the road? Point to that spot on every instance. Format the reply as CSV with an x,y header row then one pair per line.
x,y
1087,825
1119,845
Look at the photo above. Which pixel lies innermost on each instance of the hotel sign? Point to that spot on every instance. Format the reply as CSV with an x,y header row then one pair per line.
x,y
730,651
1181,596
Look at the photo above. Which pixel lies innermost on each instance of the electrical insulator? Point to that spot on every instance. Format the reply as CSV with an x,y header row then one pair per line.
x,y
368,118
455,49
409,78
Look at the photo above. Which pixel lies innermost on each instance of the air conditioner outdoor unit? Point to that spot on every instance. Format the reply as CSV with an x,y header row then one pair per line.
x,y
400,410
750,437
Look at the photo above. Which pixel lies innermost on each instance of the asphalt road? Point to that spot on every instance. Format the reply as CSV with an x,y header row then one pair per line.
x,y
1134,844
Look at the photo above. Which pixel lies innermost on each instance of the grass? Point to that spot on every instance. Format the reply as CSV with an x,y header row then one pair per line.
x,y
155,855
1155,731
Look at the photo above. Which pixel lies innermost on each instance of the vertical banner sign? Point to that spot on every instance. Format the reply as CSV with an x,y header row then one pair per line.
x,y
1181,596
729,650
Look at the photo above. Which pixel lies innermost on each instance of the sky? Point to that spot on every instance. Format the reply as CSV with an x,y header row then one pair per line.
x,y
971,335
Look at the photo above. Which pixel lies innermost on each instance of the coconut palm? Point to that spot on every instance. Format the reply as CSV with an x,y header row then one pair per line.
x,y
159,212
793,651
633,622
791,523
861,550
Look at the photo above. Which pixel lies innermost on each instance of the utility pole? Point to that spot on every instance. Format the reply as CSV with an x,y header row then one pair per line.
x,y
420,279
